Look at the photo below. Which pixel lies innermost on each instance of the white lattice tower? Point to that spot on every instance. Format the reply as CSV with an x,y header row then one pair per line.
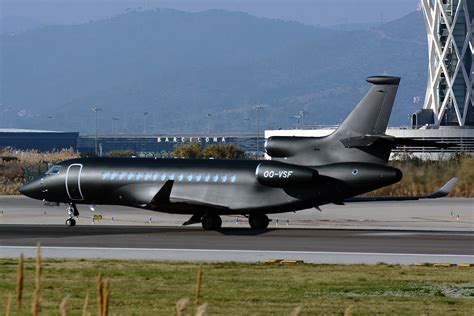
x,y
447,57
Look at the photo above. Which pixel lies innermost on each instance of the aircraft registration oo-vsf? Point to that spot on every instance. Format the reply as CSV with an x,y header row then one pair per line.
x,y
304,172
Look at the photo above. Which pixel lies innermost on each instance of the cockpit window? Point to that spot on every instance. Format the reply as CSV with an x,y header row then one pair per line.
x,y
54,170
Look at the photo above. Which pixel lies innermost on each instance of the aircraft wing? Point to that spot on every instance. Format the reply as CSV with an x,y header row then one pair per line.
x,y
441,192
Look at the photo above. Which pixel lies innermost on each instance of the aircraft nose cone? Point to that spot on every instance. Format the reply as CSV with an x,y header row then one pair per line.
x,y
31,189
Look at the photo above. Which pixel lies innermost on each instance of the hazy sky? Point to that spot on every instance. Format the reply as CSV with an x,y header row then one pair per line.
x,y
313,12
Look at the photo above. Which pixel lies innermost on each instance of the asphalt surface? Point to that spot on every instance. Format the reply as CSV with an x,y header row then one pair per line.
x,y
453,243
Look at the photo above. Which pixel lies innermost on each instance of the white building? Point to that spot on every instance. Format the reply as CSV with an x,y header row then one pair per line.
x,y
449,98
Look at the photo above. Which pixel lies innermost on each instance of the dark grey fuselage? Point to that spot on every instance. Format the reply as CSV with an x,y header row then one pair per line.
x,y
199,185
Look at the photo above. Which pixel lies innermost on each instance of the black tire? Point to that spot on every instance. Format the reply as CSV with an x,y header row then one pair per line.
x,y
70,222
258,221
211,222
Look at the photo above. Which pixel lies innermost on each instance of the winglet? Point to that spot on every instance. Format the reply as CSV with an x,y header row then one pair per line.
x,y
164,194
444,190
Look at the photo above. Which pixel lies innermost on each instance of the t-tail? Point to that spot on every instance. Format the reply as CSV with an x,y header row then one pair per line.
x,y
360,138
371,115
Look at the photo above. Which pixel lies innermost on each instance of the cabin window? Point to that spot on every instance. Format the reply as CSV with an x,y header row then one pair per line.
x,y
54,170
233,178
146,176
190,177
207,177
105,175
171,176
163,177
138,176
113,174
154,177
180,177
215,178
121,175
224,178
198,177
129,176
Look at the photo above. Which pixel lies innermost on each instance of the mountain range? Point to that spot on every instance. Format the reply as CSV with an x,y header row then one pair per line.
x,y
179,66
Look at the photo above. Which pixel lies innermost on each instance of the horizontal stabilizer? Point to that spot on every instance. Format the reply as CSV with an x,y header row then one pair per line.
x,y
370,140
441,192
366,141
422,143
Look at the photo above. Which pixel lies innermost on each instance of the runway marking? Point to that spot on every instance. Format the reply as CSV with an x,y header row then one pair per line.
x,y
239,251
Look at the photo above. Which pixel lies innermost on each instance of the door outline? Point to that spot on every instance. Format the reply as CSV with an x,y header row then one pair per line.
x,y
78,181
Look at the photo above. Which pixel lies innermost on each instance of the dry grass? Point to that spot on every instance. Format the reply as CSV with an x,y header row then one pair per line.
x,y
100,295
36,306
84,307
27,165
151,288
202,310
424,177
8,305
182,306
20,283
198,285
63,307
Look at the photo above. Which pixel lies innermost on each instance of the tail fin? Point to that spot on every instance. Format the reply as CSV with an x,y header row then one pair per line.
x,y
360,138
371,115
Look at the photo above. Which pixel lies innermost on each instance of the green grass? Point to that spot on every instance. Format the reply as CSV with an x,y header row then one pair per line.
x,y
152,288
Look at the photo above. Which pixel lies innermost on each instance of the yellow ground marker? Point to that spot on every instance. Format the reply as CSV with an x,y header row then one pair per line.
x,y
291,261
443,265
273,261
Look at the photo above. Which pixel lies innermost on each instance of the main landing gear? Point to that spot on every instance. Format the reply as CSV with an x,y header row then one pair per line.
x,y
211,221
72,212
259,221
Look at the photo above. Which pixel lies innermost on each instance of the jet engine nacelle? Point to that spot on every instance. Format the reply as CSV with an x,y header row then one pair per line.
x,y
280,175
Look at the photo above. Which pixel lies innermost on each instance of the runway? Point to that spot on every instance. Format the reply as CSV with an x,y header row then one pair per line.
x,y
402,232
238,244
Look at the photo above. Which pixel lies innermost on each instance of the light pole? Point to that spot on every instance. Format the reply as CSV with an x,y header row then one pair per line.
x,y
208,123
96,110
245,126
144,122
297,117
114,119
50,118
258,108
301,115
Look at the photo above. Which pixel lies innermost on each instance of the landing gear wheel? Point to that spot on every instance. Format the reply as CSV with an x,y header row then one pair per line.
x,y
211,222
70,222
258,221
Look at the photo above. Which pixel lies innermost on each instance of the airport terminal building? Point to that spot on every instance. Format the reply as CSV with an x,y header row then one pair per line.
x,y
162,144
40,140
142,144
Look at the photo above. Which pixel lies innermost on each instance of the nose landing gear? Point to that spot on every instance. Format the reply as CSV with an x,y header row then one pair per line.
x,y
259,221
72,212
